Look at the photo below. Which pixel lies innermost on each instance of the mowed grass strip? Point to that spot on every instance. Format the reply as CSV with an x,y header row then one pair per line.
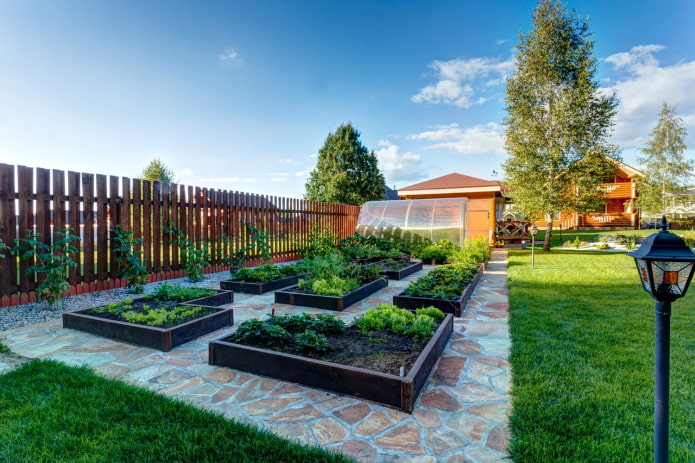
x,y
50,412
583,361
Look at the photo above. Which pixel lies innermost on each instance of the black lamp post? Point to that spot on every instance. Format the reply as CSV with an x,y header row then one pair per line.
x,y
534,230
665,265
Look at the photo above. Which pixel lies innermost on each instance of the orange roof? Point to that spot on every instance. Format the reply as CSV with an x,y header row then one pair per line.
x,y
450,181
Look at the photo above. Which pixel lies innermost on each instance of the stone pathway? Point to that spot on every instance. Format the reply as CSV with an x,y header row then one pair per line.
x,y
461,415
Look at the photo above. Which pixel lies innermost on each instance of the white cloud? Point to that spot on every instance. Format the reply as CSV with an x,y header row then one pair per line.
x,y
229,57
457,77
398,166
479,139
645,85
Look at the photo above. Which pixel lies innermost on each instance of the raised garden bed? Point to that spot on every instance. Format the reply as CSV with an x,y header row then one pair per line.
x,y
451,306
388,389
296,296
163,339
259,288
405,268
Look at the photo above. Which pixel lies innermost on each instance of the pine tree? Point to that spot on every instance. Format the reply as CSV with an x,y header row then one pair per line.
x,y
346,172
557,120
157,171
663,162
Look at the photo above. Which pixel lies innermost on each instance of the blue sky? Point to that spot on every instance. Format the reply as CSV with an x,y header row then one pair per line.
x,y
240,95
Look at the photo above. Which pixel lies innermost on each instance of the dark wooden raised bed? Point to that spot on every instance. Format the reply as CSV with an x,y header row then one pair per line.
x,y
408,269
392,390
291,296
163,339
454,306
259,288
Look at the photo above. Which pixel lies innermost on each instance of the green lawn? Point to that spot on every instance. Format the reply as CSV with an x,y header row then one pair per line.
x,y
560,236
583,361
50,412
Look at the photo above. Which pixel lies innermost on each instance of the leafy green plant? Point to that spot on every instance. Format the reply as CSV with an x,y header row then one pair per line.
x,y
3,348
474,250
177,293
333,286
304,332
129,258
359,246
162,317
266,272
440,251
328,324
312,341
444,282
3,248
258,245
431,312
319,242
261,332
50,260
195,258
115,308
388,317
422,327
331,275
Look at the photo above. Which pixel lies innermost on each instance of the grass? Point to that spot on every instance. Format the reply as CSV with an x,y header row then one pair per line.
x,y
560,236
50,412
583,361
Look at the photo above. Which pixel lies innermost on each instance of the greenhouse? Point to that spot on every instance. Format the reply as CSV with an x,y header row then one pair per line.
x,y
455,219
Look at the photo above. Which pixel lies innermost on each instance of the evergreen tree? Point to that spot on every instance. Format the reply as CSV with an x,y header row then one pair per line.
x,y
663,162
157,171
346,172
557,120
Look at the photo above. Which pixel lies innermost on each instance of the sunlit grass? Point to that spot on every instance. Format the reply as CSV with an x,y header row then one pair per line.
x,y
50,412
583,361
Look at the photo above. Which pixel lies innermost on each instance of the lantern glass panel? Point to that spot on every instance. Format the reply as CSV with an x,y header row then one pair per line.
x,y
671,277
643,268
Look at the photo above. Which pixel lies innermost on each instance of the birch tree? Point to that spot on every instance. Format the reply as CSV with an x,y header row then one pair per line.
x,y
663,162
557,119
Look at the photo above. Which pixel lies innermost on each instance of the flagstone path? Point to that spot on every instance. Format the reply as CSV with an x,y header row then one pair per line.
x,y
461,415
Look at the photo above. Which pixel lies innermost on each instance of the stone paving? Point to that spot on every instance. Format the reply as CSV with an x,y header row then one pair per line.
x,y
460,416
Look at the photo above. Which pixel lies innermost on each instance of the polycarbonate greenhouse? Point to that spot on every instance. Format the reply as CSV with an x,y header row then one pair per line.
x,y
455,219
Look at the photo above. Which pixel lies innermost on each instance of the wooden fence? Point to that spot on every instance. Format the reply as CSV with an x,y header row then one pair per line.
x,y
92,205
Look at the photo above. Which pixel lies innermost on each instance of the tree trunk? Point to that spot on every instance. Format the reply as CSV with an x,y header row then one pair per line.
x,y
548,235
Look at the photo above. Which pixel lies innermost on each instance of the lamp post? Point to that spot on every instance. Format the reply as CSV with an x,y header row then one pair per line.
x,y
665,265
534,230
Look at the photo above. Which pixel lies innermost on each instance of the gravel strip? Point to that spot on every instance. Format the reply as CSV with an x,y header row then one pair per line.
x,y
37,312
